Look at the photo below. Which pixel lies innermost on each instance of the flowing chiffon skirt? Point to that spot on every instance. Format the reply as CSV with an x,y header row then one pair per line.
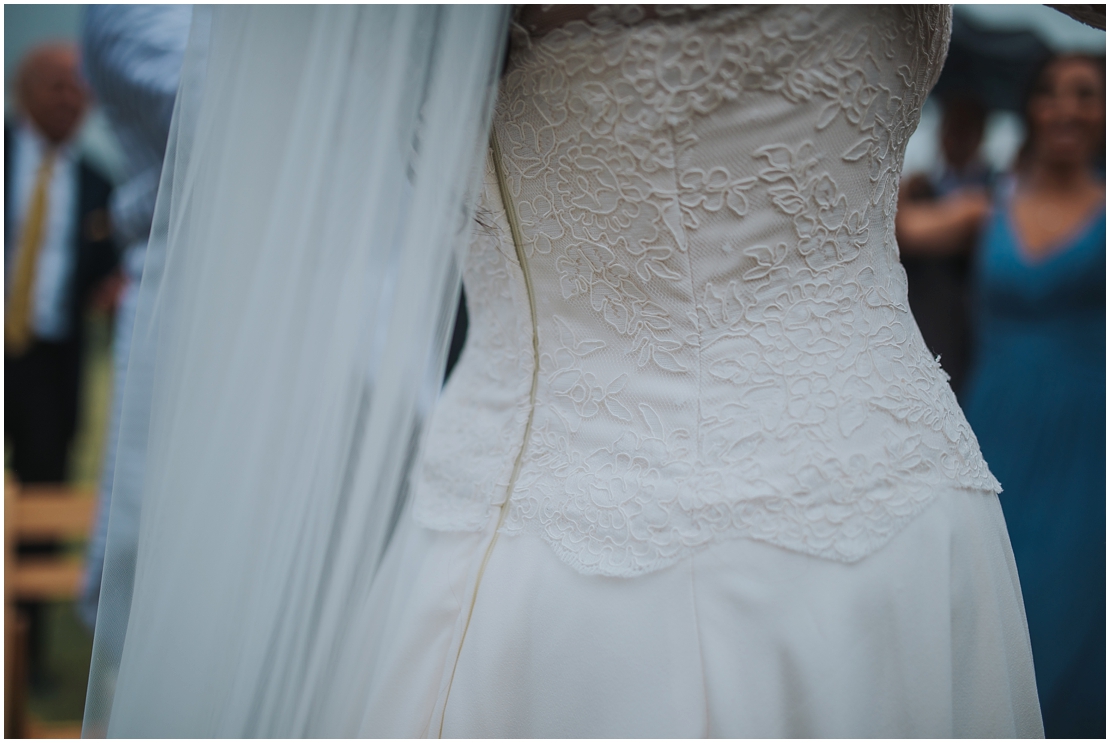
x,y
477,635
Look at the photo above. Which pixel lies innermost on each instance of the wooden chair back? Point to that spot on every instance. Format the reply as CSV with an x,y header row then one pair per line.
x,y
36,513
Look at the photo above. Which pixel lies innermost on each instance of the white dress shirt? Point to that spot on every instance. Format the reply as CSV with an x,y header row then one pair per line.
x,y
57,256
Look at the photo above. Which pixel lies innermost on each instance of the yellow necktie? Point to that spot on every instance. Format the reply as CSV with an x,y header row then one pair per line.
x,y
17,319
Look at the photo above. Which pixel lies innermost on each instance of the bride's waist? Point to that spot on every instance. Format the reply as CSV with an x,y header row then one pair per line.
x,y
609,485
768,428
626,462
750,416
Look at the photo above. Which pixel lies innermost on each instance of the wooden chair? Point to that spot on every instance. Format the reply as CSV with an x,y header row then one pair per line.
x,y
37,513
49,513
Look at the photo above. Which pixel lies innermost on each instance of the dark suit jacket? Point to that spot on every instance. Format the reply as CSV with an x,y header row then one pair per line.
x,y
95,253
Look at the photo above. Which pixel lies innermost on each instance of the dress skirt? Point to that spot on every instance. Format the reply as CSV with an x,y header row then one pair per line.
x,y
487,635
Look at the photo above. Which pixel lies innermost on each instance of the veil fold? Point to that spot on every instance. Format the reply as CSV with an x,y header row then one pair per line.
x,y
293,318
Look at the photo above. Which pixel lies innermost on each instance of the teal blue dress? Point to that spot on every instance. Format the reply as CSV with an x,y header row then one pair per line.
x,y
1036,399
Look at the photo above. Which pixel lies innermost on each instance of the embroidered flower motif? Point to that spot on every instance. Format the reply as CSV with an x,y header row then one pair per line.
x,y
711,191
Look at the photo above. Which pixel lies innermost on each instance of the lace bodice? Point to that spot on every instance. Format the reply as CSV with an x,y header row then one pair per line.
x,y
688,316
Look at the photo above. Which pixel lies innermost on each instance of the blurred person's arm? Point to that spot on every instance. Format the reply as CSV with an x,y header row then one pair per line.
x,y
132,58
940,227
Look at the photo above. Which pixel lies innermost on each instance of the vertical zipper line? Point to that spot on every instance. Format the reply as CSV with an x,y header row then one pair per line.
x,y
518,245
694,297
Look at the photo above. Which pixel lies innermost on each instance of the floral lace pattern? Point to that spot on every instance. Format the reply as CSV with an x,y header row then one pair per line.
x,y
704,202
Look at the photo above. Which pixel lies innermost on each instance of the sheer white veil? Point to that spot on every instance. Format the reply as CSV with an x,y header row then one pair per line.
x,y
293,318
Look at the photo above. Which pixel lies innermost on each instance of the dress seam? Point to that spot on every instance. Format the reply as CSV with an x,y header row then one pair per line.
x,y
701,646
694,299
514,233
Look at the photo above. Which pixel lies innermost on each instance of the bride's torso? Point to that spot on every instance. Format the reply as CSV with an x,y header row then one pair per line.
x,y
688,316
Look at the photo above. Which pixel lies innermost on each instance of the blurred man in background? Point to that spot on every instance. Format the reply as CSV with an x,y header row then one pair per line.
x,y
57,254
57,251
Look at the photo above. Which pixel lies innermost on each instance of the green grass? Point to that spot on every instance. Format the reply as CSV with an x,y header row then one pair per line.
x,y
68,650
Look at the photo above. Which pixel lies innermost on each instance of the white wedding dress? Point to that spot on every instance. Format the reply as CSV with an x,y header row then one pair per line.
x,y
696,472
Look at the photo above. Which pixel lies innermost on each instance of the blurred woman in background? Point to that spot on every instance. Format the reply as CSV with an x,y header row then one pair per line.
x,y
1036,395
